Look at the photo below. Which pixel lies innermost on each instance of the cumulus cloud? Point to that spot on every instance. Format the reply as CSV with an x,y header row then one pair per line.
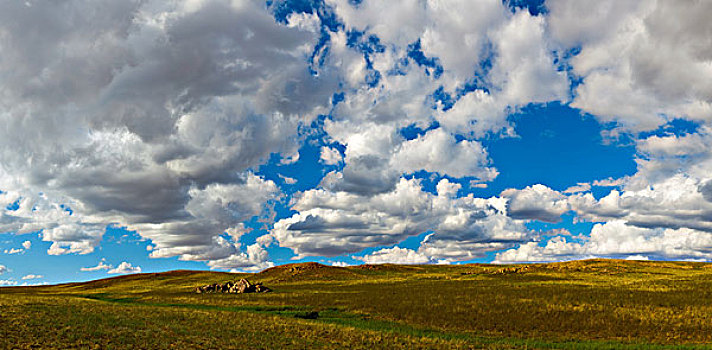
x,y
158,106
176,102
255,258
676,202
394,255
27,245
439,152
125,268
442,51
3,269
7,283
536,202
556,249
661,212
377,156
161,114
618,239
334,223
640,61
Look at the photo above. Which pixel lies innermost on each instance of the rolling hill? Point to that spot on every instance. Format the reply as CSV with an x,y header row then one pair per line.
x,y
578,304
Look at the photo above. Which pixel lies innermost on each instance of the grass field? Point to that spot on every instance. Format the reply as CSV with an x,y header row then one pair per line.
x,y
593,304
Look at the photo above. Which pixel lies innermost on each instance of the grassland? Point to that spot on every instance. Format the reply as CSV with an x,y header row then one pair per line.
x,y
606,304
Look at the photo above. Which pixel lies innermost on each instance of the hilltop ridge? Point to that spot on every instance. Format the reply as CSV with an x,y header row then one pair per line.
x,y
314,271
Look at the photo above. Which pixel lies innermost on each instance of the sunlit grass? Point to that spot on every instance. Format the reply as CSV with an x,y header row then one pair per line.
x,y
588,304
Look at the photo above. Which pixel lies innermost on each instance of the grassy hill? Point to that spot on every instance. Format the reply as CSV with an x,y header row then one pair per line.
x,y
581,304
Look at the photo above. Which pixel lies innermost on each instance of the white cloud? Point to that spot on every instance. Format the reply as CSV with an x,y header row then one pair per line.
x,y
610,182
670,190
330,156
579,187
32,277
368,120
254,259
394,255
377,156
439,152
3,269
216,208
618,239
72,238
157,104
288,180
477,184
536,202
640,61
524,68
555,250
334,223
7,283
34,284
675,202
100,266
161,114
399,22
125,268
672,146
637,257
367,157
478,112
26,245
661,212
458,32
557,232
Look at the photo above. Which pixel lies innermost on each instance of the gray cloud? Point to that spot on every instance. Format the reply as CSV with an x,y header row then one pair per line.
x,y
155,116
334,223
152,108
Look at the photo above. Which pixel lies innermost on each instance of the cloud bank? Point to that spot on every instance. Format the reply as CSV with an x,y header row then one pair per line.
x,y
158,117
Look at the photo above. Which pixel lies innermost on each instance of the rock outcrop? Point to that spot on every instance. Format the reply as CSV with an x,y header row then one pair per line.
x,y
511,270
241,286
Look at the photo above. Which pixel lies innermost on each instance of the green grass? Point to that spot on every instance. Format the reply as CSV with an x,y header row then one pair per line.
x,y
595,304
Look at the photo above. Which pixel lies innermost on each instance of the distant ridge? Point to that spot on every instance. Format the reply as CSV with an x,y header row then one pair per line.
x,y
314,271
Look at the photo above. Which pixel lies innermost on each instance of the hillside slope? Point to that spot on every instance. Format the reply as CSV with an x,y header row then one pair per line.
x,y
592,304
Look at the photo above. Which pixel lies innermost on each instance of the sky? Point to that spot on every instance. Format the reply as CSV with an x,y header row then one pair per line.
x,y
146,136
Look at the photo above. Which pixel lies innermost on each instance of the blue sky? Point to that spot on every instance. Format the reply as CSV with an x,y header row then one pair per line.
x,y
238,136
